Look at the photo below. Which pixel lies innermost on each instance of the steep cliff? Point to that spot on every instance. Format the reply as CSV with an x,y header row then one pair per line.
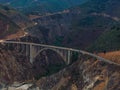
x,y
14,67
12,23
85,74
7,27
17,17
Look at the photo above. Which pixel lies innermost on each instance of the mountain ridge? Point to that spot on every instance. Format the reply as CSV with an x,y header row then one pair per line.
x,y
43,6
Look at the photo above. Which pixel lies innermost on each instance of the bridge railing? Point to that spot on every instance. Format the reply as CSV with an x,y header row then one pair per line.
x,y
43,45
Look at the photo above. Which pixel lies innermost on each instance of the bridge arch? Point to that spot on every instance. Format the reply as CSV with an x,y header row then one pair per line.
x,y
54,50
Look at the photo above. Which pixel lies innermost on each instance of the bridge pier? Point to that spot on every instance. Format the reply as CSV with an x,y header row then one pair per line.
x,y
31,53
27,47
69,57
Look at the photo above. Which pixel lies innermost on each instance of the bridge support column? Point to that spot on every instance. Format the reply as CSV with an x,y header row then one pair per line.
x,y
69,55
27,50
31,53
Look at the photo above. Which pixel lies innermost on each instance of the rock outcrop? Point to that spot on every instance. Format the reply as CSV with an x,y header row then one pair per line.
x,y
14,67
85,74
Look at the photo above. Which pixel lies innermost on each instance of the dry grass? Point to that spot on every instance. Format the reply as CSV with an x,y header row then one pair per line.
x,y
19,34
113,56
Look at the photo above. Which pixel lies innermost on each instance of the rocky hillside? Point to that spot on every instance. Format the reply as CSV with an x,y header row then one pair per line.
x,y
12,23
52,27
7,27
85,74
15,16
15,65
91,26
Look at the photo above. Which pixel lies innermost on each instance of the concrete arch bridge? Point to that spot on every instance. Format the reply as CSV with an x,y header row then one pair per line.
x,y
33,50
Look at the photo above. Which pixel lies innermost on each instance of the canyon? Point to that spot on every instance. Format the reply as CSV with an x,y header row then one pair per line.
x,y
92,26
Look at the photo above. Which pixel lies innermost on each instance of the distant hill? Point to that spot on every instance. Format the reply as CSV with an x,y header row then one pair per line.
x,y
97,16
42,6
17,17
81,26
87,30
95,23
108,9
108,41
12,22
7,27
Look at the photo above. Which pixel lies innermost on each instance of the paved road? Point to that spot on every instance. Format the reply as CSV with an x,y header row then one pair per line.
x,y
63,48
